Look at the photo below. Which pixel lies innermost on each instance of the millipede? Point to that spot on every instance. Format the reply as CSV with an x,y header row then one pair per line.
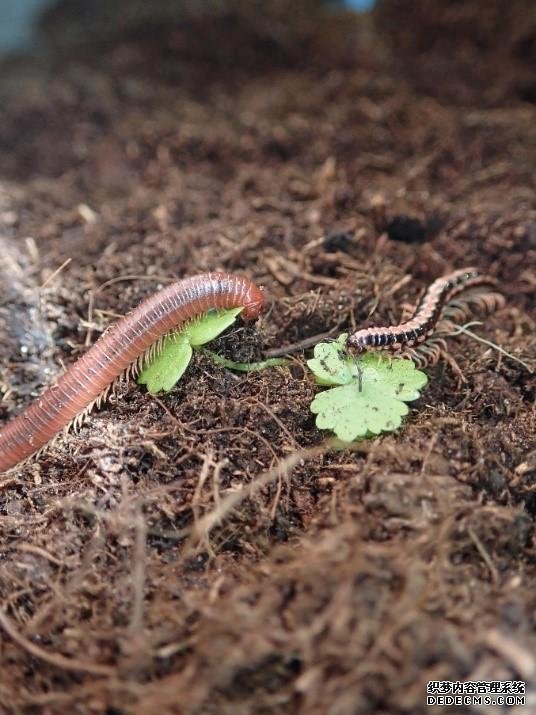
x,y
426,316
122,350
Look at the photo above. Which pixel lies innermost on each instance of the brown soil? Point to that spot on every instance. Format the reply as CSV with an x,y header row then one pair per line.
x,y
206,551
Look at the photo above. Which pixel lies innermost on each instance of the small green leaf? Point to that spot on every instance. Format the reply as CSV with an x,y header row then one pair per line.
x,y
393,377
352,414
163,372
331,363
210,326
167,368
370,393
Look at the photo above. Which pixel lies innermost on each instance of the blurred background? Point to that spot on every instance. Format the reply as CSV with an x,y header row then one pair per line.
x,y
18,20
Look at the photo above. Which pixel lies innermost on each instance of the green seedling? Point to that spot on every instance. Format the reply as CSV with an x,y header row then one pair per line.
x,y
163,372
368,395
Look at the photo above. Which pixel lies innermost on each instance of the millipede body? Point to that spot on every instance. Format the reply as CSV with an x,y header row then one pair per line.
x,y
425,317
120,349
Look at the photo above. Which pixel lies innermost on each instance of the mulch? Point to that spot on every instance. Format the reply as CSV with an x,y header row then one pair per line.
x,y
207,550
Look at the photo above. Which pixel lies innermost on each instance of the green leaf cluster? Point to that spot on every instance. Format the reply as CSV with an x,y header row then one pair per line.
x,y
368,394
163,372
166,369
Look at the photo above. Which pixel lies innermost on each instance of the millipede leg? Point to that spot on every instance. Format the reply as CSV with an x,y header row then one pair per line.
x,y
453,365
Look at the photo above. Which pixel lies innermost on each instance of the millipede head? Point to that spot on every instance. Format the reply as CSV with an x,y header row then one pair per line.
x,y
254,301
355,344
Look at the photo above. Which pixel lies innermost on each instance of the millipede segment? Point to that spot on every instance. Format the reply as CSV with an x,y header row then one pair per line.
x,y
430,309
121,350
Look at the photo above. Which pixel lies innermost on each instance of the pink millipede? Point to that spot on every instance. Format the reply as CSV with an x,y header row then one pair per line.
x,y
425,316
124,347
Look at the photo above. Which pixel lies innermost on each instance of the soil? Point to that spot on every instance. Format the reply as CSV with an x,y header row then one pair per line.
x,y
208,550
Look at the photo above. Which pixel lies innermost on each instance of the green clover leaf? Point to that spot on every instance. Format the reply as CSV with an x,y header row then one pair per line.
x,y
331,364
370,392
